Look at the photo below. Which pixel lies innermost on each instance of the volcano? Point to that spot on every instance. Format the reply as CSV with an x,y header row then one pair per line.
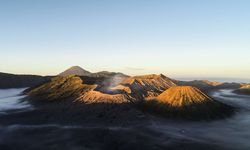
x,y
75,70
101,89
180,96
156,90
188,102
148,86
79,71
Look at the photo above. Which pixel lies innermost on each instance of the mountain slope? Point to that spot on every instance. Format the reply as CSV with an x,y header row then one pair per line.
x,y
101,89
75,88
18,81
178,101
181,96
188,102
206,85
244,89
75,70
108,74
147,86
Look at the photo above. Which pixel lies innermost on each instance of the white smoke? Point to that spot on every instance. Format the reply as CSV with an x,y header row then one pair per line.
x,y
112,82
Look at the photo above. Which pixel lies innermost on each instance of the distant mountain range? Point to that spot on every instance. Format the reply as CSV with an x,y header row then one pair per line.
x,y
8,80
206,85
76,70
19,81
16,81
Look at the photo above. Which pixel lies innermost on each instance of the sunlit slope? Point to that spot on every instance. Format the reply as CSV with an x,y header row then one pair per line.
x,y
187,102
183,96
101,89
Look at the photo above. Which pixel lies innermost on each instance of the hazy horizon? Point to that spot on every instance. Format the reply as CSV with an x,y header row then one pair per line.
x,y
183,40
183,78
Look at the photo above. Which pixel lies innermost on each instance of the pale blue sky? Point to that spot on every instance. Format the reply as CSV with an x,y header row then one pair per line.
x,y
178,38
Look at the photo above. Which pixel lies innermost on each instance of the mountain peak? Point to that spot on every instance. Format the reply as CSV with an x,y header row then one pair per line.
x,y
75,67
75,70
180,96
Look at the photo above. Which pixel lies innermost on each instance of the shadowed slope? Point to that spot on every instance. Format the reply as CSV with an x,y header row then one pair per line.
x,y
244,89
18,81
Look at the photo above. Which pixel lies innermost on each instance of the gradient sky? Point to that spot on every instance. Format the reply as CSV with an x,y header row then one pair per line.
x,y
179,38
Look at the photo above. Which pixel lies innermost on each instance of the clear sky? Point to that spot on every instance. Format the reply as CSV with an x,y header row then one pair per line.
x,y
179,38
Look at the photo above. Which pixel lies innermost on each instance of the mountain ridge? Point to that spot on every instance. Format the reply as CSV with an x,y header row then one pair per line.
x,y
244,89
77,70
101,87
8,80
